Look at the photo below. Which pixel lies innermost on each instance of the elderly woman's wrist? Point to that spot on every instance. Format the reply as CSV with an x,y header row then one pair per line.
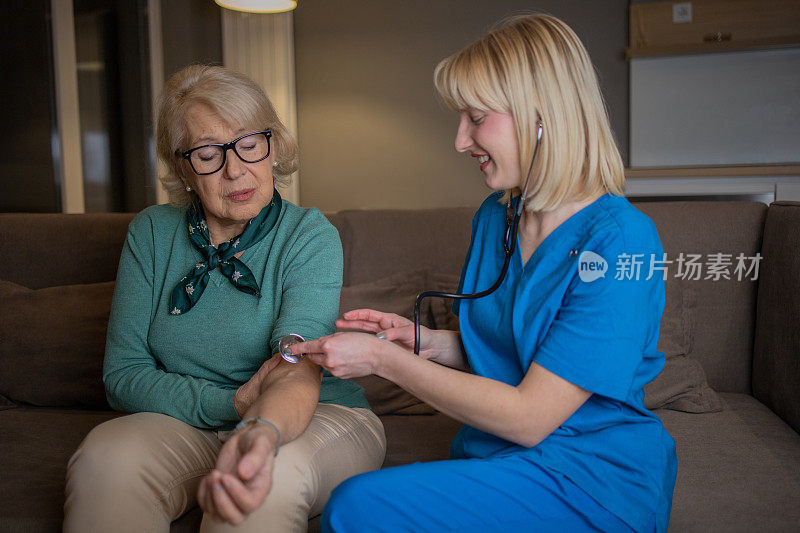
x,y
264,426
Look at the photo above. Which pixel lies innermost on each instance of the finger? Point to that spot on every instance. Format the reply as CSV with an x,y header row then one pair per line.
x,y
391,334
246,498
371,315
358,324
226,508
395,321
255,456
308,347
226,460
262,481
205,499
202,491
363,314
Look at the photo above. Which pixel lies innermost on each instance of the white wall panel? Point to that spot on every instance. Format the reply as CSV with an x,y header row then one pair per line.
x,y
737,108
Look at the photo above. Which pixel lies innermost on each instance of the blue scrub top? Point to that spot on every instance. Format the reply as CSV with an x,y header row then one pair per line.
x,y
588,327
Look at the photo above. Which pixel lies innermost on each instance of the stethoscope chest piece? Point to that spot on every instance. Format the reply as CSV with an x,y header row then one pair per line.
x,y
286,353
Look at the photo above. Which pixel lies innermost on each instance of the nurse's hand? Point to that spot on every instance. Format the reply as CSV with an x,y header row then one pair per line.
x,y
396,328
345,355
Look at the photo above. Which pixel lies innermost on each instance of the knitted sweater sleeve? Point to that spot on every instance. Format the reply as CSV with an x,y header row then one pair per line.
x,y
311,281
134,380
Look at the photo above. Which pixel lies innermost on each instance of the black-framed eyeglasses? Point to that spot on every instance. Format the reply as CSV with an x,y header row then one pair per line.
x,y
209,158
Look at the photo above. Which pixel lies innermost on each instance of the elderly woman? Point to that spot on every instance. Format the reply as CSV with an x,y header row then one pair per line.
x,y
556,436
206,287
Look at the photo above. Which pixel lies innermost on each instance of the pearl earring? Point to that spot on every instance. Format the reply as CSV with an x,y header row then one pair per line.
x,y
188,188
274,163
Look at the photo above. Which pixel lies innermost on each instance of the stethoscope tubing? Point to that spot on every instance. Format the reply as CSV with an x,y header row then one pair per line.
x,y
455,296
509,246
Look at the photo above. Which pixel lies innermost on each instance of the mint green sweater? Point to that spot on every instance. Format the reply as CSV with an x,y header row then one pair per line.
x,y
189,366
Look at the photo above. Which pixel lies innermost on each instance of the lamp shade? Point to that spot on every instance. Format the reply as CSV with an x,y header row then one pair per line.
x,y
258,6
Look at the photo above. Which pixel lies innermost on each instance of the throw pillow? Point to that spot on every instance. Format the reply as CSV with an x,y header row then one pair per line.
x,y
681,385
442,315
53,343
5,403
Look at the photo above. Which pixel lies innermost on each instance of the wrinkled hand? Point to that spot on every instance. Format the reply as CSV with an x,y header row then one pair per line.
x,y
345,355
247,394
397,329
242,477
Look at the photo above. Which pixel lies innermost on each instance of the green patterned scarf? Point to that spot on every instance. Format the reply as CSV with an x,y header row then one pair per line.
x,y
189,290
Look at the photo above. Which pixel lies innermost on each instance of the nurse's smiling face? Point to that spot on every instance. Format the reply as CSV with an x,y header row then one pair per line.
x,y
491,138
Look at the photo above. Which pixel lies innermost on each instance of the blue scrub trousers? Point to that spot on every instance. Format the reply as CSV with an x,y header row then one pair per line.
x,y
508,493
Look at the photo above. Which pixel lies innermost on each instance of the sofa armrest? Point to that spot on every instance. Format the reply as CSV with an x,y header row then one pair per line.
x,y
776,357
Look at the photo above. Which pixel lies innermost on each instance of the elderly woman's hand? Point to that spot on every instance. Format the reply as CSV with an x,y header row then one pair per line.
x,y
243,476
346,355
250,391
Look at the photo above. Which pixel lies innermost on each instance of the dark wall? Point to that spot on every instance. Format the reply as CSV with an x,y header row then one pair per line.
x,y
27,109
28,173
135,105
372,132
371,129
191,33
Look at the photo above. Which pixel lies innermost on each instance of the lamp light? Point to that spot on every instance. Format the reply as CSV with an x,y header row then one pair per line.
x,y
258,6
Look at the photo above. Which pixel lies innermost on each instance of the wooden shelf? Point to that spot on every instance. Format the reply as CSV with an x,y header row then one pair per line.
x,y
715,26
714,172
710,48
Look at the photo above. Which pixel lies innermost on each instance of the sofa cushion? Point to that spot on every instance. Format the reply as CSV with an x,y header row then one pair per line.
x,y
441,309
393,294
418,438
737,469
53,344
5,403
681,385
37,444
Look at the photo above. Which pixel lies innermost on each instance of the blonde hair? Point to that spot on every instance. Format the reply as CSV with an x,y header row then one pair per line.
x,y
237,99
536,62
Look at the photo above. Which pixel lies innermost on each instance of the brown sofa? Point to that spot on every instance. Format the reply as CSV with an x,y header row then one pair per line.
x,y
738,444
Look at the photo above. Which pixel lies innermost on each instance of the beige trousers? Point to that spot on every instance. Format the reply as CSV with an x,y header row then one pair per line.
x,y
139,472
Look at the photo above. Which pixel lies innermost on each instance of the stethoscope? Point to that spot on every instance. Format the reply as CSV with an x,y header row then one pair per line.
x,y
509,245
513,215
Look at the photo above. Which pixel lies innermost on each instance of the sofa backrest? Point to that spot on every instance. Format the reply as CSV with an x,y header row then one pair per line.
x,y
47,250
722,312
379,243
76,257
